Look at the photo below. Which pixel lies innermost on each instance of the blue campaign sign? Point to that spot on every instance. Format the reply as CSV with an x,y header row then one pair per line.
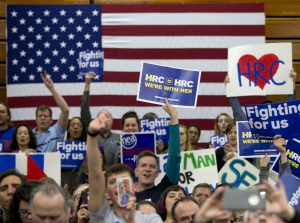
x,y
272,119
292,189
218,140
134,143
158,125
72,154
293,155
91,60
248,146
179,86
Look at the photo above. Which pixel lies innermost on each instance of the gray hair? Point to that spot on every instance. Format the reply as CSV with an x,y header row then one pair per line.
x,y
49,190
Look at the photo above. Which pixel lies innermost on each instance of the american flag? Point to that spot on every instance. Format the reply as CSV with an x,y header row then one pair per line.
x,y
188,36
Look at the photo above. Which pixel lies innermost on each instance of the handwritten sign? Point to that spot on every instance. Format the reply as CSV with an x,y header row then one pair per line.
x,y
272,119
260,69
134,143
91,60
248,146
179,86
198,166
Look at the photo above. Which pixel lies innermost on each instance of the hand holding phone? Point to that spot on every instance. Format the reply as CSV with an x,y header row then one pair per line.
x,y
124,189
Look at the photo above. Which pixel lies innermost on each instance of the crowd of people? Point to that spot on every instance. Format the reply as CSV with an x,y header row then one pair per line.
x,y
91,194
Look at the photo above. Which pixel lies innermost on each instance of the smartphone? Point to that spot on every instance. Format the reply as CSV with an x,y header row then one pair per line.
x,y
124,189
84,198
240,200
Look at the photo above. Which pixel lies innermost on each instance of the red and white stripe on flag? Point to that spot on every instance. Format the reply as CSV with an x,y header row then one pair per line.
x,y
187,36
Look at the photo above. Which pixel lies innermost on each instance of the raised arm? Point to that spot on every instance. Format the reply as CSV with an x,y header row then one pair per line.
x,y
95,160
59,100
238,113
173,163
280,144
85,112
293,75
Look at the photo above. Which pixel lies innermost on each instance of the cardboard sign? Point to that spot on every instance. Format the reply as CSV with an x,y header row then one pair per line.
x,y
160,126
272,119
218,140
292,189
260,69
239,173
134,143
34,166
72,154
293,156
198,166
91,60
248,146
179,86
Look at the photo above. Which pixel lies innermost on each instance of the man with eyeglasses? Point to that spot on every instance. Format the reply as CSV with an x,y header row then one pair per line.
x,y
9,181
47,135
184,210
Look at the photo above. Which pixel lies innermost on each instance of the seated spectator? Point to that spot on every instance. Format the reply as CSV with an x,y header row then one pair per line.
x,y
146,207
167,200
23,140
10,180
6,128
47,135
184,210
19,207
201,192
50,203
99,208
194,133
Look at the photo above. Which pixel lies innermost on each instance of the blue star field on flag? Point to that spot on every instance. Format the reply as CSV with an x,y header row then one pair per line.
x,y
50,38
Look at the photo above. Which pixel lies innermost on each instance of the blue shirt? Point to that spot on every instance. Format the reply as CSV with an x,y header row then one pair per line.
x,y
46,141
6,138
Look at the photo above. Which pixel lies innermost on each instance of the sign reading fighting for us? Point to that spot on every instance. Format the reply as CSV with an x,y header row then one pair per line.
x,y
198,166
248,146
260,69
272,119
179,86
293,156
72,154
218,140
292,189
134,143
91,61
158,125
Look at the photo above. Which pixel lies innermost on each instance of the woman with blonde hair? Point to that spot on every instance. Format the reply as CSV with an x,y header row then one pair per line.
x,y
221,123
185,144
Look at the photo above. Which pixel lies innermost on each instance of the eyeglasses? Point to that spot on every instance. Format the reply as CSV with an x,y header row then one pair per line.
x,y
24,212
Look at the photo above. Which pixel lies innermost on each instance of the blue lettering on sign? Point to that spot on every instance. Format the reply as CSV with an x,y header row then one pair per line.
x,y
258,68
129,141
240,177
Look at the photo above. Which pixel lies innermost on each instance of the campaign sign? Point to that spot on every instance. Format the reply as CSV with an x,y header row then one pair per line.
x,y
248,146
72,154
293,156
218,140
34,166
292,189
260,69
179,86
272,119
198,166
239,173
134,143
91,60
158,125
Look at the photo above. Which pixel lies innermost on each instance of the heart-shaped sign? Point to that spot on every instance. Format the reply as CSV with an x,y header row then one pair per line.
x,y
258,70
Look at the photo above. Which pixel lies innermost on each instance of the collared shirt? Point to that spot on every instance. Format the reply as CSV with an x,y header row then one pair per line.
x,y
46,141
